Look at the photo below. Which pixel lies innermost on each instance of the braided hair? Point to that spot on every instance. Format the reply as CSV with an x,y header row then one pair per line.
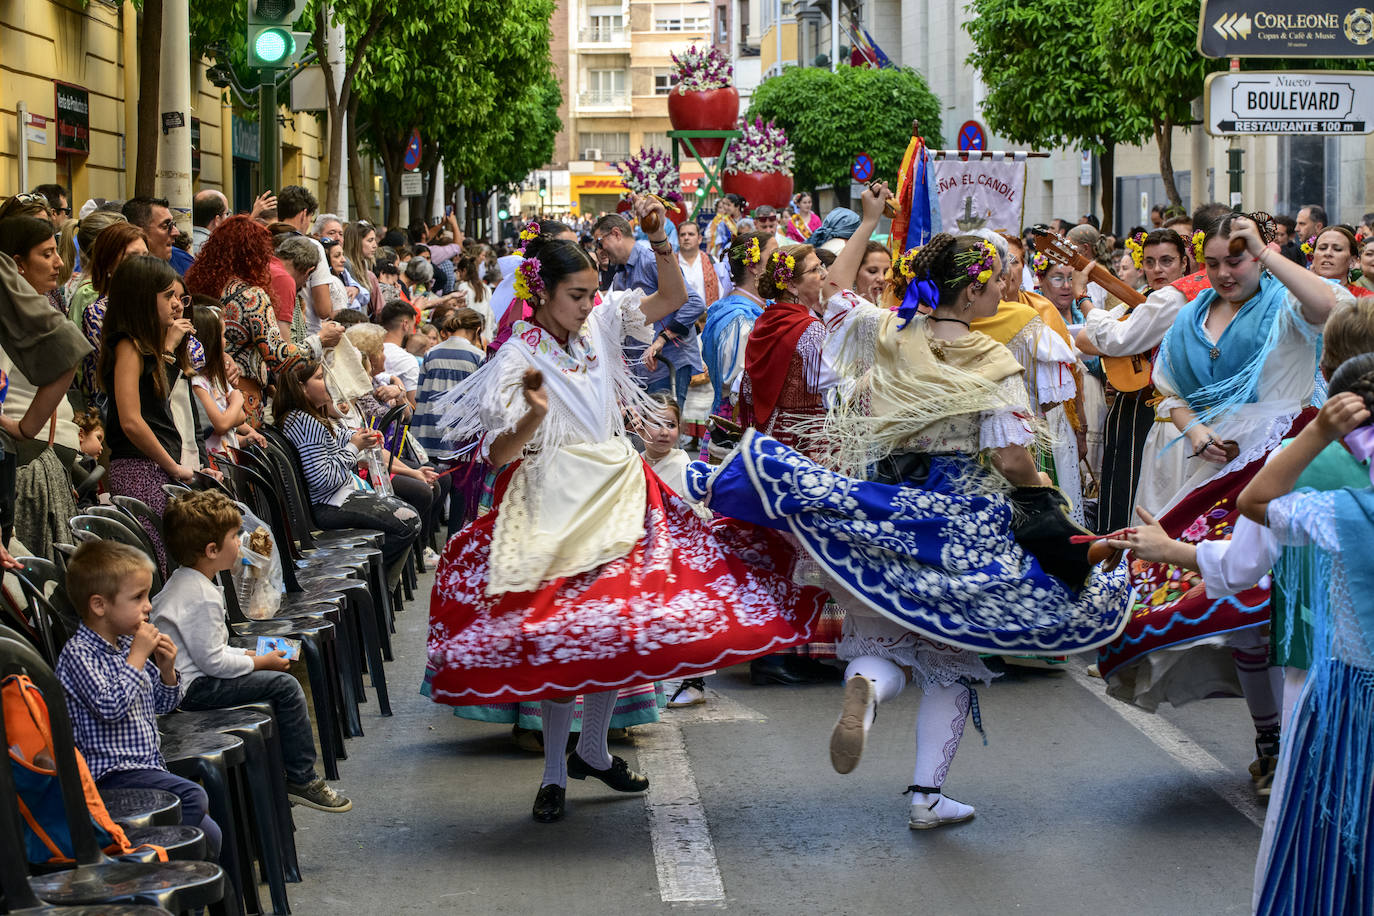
x,y
938,261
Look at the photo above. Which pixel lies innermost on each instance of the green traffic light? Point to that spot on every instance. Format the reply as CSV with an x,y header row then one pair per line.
x,y
273,45
543,192
503,214
701,192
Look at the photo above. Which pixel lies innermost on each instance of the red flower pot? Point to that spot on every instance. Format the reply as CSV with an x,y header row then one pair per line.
x,y
714,109
758,188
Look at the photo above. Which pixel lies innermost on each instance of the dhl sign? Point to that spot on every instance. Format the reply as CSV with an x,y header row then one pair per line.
x,y
612,184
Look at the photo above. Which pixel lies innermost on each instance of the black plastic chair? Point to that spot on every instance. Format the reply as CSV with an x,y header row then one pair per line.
x,y
107,529
333,581
139,512
130,522
263,771
96,879
50,611
140,809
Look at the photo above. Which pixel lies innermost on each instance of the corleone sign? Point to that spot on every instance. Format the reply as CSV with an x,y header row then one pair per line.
x,y
73,107
1291,102
1272,28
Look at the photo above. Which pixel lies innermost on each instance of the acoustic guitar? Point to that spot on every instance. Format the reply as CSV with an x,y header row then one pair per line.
x,y
1126,373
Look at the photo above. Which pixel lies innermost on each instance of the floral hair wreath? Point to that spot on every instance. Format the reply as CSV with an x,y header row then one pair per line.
x,y
1135,244
976,263
783,266
528,233
1309,246
1040,263
752,253
528,283
1198,239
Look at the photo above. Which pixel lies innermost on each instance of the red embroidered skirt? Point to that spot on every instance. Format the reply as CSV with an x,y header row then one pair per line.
x,y
690,596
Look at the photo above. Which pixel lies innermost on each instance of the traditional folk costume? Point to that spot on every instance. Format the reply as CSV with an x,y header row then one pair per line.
x,y
800,228
1047,358
923,555
1252,386
723,341
1136,434
720,232
589,574
1316,855
782,390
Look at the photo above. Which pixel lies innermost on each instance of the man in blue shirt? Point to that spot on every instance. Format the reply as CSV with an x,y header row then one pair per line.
x,y
675,354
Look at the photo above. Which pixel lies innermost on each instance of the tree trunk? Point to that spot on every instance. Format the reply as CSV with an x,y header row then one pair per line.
x,y
1107,169
334,150
431,170
392,151
362,193
1164,138
149,93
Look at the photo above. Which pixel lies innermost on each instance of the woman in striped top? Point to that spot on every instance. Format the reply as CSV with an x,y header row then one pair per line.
x,y
329,455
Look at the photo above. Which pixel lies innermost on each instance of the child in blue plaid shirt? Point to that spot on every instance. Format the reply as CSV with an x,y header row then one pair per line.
x,y
119,674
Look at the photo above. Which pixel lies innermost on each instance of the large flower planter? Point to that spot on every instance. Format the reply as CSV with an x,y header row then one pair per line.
x,y
714,109
758,188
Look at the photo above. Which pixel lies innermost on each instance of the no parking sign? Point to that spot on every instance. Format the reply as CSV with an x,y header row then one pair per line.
x,y
862,170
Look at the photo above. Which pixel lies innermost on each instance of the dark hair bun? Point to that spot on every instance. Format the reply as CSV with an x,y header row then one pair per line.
x,y
1356,375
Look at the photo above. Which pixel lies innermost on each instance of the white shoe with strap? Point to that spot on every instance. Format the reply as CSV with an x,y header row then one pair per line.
x,y
932,808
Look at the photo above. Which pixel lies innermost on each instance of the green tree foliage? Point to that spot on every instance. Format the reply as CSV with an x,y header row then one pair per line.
x,y
1152,48
832,117
1050,85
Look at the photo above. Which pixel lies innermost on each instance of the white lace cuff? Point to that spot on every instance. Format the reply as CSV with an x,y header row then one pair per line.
x,y
1000,428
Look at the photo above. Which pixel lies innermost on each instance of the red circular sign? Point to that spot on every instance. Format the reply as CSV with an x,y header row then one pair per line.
x,y
972,136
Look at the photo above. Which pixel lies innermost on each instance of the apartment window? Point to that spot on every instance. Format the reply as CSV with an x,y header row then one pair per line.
x,y
612,146
664,81
606,85
657,140
766,13
682,17
605,25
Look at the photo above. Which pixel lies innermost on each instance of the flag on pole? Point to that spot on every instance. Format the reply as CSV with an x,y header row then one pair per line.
x,y
866,52
918,204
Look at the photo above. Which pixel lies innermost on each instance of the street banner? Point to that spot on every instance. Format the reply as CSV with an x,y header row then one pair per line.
x,y
1289,102
981,191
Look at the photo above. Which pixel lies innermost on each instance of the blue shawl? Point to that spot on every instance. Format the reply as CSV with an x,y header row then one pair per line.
x,y
719,317
1214,385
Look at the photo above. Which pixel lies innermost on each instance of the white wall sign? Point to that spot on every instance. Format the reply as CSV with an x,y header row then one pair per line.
x,y
1291,102
981,193
412,184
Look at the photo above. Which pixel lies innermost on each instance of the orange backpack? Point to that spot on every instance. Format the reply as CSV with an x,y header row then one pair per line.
x,y
47,838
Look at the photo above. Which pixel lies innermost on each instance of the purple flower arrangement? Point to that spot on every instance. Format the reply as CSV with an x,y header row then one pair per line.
x,y
651,171
763,148
699,70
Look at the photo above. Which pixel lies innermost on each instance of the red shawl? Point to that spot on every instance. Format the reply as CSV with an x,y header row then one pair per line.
x,y
1193,285
767,356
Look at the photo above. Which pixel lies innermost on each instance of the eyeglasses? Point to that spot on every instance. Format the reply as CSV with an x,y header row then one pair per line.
x,y
63,211
1058,281
168,225
185,300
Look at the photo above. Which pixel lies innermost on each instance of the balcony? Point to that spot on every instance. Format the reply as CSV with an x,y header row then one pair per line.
x,y
599,101
601,36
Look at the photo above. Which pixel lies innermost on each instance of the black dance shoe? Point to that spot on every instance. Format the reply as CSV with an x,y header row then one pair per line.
x,y
549,804
618,775
778,669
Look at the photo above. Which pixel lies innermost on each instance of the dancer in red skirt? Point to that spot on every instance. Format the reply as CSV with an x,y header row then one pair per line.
x,y
589,574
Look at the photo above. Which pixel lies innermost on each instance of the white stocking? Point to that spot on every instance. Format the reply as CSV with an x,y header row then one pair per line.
x,y
888,679
597,709
939,726
557,722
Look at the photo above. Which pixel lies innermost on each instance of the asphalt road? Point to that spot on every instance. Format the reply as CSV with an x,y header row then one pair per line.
x,y
1079,811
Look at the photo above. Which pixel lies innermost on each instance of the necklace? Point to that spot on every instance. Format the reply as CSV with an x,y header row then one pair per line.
x,y
955,320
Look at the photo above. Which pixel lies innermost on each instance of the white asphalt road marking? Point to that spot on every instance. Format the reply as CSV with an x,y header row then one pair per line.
x,y
1170,739
684,855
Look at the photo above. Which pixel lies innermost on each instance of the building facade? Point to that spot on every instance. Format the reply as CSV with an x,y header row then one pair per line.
x,y
73,68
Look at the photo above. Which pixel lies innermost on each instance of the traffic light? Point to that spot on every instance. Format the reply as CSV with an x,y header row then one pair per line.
x,y
543,187
271,43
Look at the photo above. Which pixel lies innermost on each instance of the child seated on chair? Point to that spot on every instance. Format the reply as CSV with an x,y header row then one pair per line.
x,y
203,536
119,673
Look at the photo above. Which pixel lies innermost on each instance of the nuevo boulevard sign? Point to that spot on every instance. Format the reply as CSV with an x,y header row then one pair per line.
x,y
1291,102
1273,28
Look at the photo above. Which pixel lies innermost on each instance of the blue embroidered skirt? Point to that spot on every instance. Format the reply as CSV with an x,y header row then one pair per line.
x,y
940,562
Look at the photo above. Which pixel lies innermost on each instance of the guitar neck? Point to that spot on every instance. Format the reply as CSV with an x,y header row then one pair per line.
x,y
1113,284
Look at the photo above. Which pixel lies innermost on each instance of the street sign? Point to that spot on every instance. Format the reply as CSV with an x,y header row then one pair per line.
x,y
36,130
1264,28
972,136
1289,102
863,167
412,184
413,148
